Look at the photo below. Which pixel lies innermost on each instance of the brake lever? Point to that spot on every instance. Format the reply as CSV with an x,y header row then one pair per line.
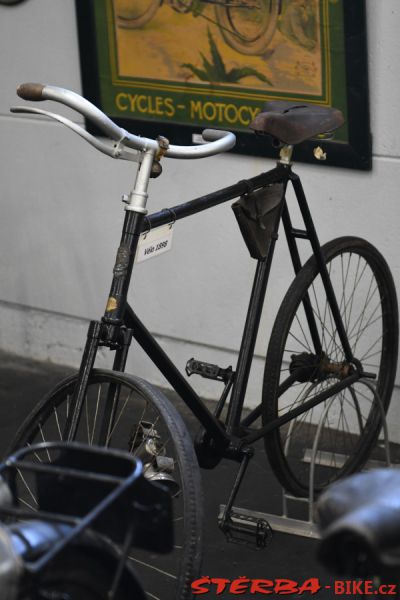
x,y
115,151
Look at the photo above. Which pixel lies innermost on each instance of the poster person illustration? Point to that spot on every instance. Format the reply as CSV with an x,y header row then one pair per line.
x,y
204,53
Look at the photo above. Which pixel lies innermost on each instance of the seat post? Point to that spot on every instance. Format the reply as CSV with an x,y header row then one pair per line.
x,y
285,155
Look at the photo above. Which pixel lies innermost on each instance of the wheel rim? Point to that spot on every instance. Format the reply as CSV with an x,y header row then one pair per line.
x,y
133,9
249,22
140,428
348,425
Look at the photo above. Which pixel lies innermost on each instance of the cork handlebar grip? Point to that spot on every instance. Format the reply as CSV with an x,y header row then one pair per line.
x,y
31,91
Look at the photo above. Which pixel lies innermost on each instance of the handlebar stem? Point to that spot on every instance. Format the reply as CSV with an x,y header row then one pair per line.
x,y
137,199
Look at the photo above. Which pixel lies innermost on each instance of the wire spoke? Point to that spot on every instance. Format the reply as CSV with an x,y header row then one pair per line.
x,y
152,567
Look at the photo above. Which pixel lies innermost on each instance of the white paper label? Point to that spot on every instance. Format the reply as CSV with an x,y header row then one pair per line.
x,y
154,242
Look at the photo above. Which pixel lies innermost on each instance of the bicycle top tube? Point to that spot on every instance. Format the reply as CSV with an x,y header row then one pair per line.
x,y
216,141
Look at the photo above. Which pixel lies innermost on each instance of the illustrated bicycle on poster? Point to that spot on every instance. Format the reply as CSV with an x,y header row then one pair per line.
x,y
247,26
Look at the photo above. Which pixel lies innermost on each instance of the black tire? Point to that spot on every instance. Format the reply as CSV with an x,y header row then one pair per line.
x,y
131,14
248,29
84,574
147,425
349,421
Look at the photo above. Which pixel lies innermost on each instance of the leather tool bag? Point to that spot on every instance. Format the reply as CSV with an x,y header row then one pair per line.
x,y
258,215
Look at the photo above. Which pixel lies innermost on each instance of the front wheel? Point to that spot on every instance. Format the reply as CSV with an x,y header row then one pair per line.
x,y
335,437
248,26
127,413
84,574
131,14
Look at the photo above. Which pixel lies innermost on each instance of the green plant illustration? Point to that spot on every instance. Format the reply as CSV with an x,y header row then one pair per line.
x,y
214,70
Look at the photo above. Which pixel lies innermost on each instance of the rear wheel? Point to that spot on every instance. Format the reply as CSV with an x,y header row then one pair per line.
x,y
337,435
127,413
132,14
248,26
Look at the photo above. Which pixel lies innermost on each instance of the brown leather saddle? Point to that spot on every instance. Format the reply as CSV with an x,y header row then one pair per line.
x,y
292,123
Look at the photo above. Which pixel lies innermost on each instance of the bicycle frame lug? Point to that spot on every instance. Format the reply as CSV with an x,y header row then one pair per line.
x,y
285,155
109,335
137,203
358,366
115,337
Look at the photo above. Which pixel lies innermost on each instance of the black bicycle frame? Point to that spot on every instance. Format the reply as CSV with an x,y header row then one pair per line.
x,y
118,312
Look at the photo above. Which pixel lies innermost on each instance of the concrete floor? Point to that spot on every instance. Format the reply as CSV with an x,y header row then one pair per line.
x,y
23,382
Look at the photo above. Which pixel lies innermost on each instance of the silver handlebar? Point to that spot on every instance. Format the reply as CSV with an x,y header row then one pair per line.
x,y
216,141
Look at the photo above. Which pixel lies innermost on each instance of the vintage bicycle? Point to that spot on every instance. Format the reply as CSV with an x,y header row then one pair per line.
x,y
336,329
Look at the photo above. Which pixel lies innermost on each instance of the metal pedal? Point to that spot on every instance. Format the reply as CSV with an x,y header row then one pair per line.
x,y
208,370
245,529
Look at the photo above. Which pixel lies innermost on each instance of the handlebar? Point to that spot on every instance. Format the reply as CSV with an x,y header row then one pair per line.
x,y
216,141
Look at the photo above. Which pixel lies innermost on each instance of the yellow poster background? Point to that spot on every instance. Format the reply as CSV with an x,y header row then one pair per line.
x,y
168,42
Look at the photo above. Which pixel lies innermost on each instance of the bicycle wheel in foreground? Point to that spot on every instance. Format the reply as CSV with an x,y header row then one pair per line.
x,y
341,431
83,575
145,423
248,26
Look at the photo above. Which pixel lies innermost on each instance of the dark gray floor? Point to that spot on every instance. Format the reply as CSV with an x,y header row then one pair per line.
x,y
23,382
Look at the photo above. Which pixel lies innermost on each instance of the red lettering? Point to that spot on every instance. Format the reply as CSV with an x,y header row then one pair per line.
x,y
368,588
239,586
311,585
261,586
339,587
198,585
357,587
221,584
285,586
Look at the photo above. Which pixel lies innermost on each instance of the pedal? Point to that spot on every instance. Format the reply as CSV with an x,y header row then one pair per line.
x,y
207,370
245,530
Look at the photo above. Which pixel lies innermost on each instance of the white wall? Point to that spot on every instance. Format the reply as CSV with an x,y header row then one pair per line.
x,y
61,214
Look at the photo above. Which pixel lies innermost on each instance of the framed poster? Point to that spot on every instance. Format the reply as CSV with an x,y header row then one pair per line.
x,y
175,67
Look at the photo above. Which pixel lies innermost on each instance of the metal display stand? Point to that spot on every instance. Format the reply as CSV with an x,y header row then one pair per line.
x,y
307,527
